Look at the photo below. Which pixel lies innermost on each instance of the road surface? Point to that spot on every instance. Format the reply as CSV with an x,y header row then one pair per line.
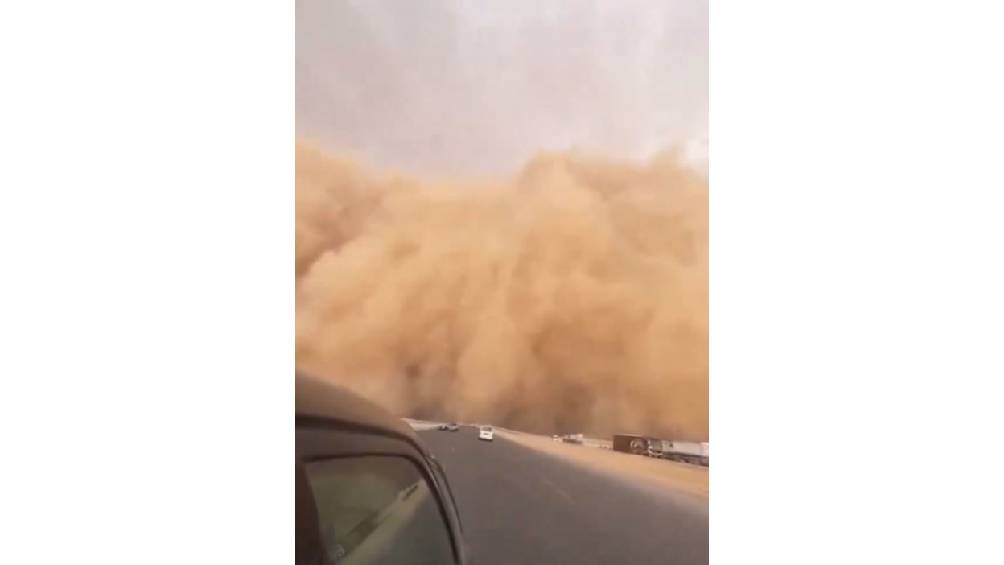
x,y
520,505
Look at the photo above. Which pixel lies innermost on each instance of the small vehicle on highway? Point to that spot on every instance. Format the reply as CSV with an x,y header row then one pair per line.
x,y
451,427
486,433
367,490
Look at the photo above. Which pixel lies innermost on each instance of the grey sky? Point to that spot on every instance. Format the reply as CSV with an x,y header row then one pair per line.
x,y
465,86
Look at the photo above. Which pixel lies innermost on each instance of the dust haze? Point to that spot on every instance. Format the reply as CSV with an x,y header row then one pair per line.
x,y
464,87
570,296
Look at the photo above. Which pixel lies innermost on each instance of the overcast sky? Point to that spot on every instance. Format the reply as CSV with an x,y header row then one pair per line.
x,y
479,86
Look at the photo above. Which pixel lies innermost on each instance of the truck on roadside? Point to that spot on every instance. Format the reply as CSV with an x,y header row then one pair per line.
x,y
685,451
693,452
630,443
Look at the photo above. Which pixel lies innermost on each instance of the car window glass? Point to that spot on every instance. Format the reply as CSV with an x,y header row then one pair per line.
x,y
377,509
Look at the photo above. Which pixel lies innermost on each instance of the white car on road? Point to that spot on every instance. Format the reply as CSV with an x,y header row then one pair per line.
x,y
486,432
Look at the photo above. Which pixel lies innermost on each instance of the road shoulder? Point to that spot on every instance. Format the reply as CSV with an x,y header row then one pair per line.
x,y
680,478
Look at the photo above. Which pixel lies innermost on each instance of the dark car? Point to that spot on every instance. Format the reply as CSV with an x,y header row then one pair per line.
x,y
451,427
367,490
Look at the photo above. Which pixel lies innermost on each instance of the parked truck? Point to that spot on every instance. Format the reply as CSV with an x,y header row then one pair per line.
x,y
629,443
685,451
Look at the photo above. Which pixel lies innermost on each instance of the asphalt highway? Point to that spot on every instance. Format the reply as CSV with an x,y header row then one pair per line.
x,y
521,505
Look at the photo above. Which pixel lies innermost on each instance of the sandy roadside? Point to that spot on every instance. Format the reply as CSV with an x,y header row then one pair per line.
x,y
681,477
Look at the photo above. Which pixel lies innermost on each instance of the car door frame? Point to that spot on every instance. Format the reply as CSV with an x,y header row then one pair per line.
x,y
320,438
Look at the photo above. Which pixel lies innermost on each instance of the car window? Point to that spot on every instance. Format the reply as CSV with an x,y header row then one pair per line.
x,y
377,509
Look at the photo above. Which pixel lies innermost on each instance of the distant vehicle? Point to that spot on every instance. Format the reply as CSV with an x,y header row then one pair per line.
x,y
556,437
367,489
451,427
573,438
486,433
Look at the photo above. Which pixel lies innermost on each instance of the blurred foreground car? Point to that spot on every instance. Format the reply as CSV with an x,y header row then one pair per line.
x,y
367,490
486,432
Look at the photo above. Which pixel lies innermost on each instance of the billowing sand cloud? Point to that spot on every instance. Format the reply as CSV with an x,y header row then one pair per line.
x,y
572,297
